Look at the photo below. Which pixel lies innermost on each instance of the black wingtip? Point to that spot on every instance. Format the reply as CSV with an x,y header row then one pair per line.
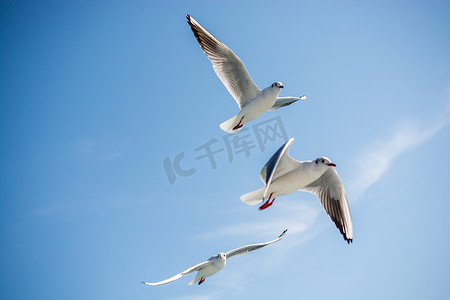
x,y
283,233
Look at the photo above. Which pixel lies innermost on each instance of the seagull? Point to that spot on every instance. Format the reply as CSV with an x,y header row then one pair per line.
x,y
215,263
283,175
231,71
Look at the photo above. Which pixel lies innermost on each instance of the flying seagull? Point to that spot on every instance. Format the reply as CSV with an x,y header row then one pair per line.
x,y
231,71
215,263
283,175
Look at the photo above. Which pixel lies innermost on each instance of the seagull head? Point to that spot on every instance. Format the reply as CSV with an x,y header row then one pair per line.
x,y
221,255
278,85
324,161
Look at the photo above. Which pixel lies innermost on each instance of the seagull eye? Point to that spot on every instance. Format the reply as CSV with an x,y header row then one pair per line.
x,y
323,161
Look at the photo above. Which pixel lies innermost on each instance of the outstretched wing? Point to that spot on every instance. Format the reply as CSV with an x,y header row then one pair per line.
x,y
179,275
330,191
279,164
228,67
285,101
249,248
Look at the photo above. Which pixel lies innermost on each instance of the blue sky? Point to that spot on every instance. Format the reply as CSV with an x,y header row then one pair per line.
x,y
95,96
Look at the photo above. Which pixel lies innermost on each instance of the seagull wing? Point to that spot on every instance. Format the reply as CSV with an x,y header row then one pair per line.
x,y
285,101
330,191
228,67
279,164
249,248
179,275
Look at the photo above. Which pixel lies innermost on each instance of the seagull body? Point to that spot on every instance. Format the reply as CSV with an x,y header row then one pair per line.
x,y
300,177
283,175
252,101
255,108
215,263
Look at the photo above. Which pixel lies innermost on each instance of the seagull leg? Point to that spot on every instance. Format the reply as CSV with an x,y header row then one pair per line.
x,y
239,124
264,205
267,203
201,280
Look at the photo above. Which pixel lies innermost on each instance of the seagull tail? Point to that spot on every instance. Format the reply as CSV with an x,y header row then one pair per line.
x,y
254,197
231,123
196,279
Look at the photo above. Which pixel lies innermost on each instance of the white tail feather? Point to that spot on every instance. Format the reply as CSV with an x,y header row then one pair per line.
x,y
254,197
196,279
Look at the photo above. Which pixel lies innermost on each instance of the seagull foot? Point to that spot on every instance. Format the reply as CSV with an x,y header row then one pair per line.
x,y
266,204
239,125
201,280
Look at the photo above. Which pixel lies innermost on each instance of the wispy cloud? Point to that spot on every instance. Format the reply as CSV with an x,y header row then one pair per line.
x,y
295,215
384,151
306,220
100,149
212,295
298,217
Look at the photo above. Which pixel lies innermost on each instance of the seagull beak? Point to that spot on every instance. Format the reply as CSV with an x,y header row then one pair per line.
x,y
281,87
331,165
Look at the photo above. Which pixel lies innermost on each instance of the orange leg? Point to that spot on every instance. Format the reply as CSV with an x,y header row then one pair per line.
x,y
201,280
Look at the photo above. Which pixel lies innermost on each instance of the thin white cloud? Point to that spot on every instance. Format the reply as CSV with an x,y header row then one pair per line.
x,y
212,295
100,149
297,216
294,215
383,152
111,156
306,220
